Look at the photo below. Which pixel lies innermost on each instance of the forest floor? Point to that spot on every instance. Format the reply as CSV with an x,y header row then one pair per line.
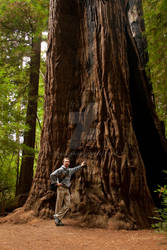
x,y
39,234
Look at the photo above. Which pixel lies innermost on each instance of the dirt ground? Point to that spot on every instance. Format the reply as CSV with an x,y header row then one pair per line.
x,y
44,235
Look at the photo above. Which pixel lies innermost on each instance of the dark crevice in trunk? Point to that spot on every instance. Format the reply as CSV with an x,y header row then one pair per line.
x,y
149,140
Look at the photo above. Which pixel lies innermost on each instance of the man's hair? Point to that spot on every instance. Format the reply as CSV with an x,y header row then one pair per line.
x,y
66,158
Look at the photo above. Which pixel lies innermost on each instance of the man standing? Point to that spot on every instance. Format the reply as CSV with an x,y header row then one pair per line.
x,y
61,177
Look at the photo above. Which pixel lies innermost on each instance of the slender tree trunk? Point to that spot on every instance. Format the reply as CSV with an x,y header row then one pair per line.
x,y
98,108
17,163
26,171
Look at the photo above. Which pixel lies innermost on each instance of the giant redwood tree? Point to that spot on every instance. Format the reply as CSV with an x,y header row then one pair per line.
x,y
99,108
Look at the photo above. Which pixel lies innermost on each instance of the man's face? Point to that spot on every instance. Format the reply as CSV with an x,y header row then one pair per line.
x,y
66,163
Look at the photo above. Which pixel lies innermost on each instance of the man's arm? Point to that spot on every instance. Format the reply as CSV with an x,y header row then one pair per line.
x,y
75,169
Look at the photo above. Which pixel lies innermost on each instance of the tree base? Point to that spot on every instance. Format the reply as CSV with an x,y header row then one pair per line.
x,y
18,216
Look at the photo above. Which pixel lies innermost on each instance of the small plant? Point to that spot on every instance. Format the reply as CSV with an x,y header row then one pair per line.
x,y
161,219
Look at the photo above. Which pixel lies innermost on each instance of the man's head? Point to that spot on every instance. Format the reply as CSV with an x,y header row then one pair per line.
x,y
66,162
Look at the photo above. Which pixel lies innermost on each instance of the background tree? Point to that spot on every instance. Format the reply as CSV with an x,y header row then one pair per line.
x,y
13,79
98,107
20,36
36,27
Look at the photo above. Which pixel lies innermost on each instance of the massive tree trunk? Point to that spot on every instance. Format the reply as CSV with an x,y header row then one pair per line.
x,y
98,108
26,171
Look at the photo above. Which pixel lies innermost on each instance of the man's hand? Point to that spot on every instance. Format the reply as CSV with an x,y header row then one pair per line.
x,y
83,164
58,184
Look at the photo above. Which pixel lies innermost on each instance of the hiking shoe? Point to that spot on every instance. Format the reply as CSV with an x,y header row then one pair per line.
x,y
59,223
56,219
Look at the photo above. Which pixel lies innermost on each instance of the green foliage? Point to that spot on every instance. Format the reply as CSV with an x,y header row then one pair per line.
x,y
161,219
8,173
11,123
20,21
155,13
7,176
24,16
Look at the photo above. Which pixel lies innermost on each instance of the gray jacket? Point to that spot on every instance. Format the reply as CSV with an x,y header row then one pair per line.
x,y
63,175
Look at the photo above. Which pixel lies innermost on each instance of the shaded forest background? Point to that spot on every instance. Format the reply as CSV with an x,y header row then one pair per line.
x,y
23,36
